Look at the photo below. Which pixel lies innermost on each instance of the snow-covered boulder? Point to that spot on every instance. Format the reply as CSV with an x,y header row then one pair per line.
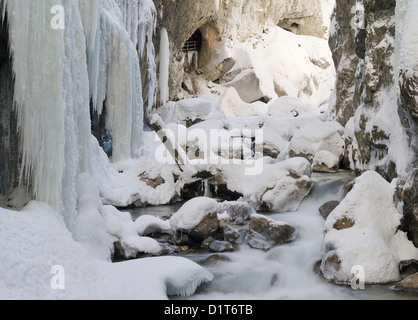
x,y
325,161
364,231
316,137
197,217
232,105
286,185
247,84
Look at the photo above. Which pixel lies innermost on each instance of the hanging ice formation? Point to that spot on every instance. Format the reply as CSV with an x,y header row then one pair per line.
x,y
57,73
164,67
140,20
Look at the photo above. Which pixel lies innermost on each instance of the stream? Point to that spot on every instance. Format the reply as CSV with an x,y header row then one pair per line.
x,y
285,272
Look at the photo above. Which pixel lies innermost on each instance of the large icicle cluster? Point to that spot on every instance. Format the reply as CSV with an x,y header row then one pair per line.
x,y
140,20
57,73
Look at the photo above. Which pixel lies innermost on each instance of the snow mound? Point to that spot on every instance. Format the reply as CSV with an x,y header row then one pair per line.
x,y
288,107
192,109
325,161
193,212
364,231
122,228
315,137
34,243
148,224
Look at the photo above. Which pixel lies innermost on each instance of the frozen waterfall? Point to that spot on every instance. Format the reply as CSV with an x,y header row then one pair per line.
x,y
60,72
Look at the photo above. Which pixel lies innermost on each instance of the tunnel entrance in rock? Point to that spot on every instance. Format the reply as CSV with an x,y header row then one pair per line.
x,y
194,43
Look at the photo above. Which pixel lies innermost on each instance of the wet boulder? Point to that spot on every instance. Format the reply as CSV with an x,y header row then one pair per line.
x,y
265,233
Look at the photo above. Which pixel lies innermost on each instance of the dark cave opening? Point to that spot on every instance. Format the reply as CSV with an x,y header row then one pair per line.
x,y
194,43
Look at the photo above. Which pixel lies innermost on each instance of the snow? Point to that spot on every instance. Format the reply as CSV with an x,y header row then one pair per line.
x,y
203,107
193,212
287,107
232,105
280,63
375,241
36,239
329,159
148,224
316,137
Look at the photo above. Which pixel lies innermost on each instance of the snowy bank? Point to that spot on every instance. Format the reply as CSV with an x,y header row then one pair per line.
x,y
40,260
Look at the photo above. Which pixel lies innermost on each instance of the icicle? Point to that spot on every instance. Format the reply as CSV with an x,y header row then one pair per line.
x,y
217,4
57,73
140,20
164,66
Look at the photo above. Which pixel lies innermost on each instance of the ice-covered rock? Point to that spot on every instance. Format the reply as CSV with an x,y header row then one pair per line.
x,y
364,231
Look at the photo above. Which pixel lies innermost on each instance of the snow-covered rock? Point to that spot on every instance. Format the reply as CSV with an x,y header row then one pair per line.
x,y
232,105
325,161
287,184
147,224
123,230
193,212
316,137
364,231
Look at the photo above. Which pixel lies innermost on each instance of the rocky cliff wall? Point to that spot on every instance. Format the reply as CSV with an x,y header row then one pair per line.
x,y
375,98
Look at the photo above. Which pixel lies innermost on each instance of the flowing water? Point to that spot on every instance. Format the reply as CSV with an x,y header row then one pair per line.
x,y
287,271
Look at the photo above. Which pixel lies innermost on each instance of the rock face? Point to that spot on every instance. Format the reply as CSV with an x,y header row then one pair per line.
x,y
236,20
9,142
409,284
374,50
